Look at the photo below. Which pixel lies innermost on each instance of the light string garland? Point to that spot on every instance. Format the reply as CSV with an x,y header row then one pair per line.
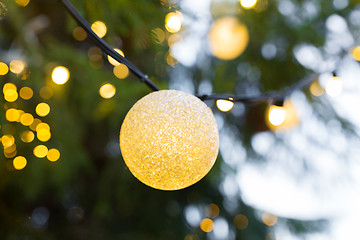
x,y
169,139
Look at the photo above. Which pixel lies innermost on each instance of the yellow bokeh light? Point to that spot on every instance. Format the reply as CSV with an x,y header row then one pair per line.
x,y
27,136
159,35
12,115
277,115
17,66
356,53
9,86
60,75
107,90
41,126
35,123
334,87
10,155
206,225
22,3
4,69
173,21
212,210
26,93
248,3
43,135
269,219
79,34
53,155
7,140
42,109
26,119
121,71
10,149
11,95
112,61
99,28
316,89
241,222
46,92
224,105
169,140
40,151
19,162
228,38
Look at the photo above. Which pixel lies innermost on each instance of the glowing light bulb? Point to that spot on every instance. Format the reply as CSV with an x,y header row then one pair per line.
x,y
169,140
224,105
121,71
43,135
26,119
173,21
228,38
19,162
112,61
99,28
107,91
356,53
334,87
277,115
248,3
60,75
7,140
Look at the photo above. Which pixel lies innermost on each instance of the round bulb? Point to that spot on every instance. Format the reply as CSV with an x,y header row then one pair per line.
x,y
169,140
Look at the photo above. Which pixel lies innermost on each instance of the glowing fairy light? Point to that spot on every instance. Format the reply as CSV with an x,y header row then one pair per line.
x,y
173,21
60,75
224,105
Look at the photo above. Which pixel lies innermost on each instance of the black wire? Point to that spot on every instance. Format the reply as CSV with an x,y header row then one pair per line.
x,y
106,48
275,96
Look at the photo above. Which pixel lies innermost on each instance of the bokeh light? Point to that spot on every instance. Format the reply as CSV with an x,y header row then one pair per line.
x,y
241,222
206,225
40,151
269,219
26,93
212,210
26,119
99,28
53,155
4,69
334,86
228,38
7,140
12,115
46,92
224,105
316,89
35,123
173,21
121,71
17,66
248,3
10,92
42,109
19,162
79,34
356,53
159,35
41,126
22,3
107,91
27,136
60,75
43,135
112,61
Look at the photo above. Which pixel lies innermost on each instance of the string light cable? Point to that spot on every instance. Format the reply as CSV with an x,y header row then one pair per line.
x,y
273,97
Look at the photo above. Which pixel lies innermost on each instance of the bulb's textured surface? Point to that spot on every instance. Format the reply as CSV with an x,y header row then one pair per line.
x,y
169,140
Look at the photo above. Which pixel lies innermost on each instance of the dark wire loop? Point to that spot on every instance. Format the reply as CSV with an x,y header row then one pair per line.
x,y
105,47
271,97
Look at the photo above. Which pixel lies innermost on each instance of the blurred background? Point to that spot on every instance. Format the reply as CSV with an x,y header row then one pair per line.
x,y
289,172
